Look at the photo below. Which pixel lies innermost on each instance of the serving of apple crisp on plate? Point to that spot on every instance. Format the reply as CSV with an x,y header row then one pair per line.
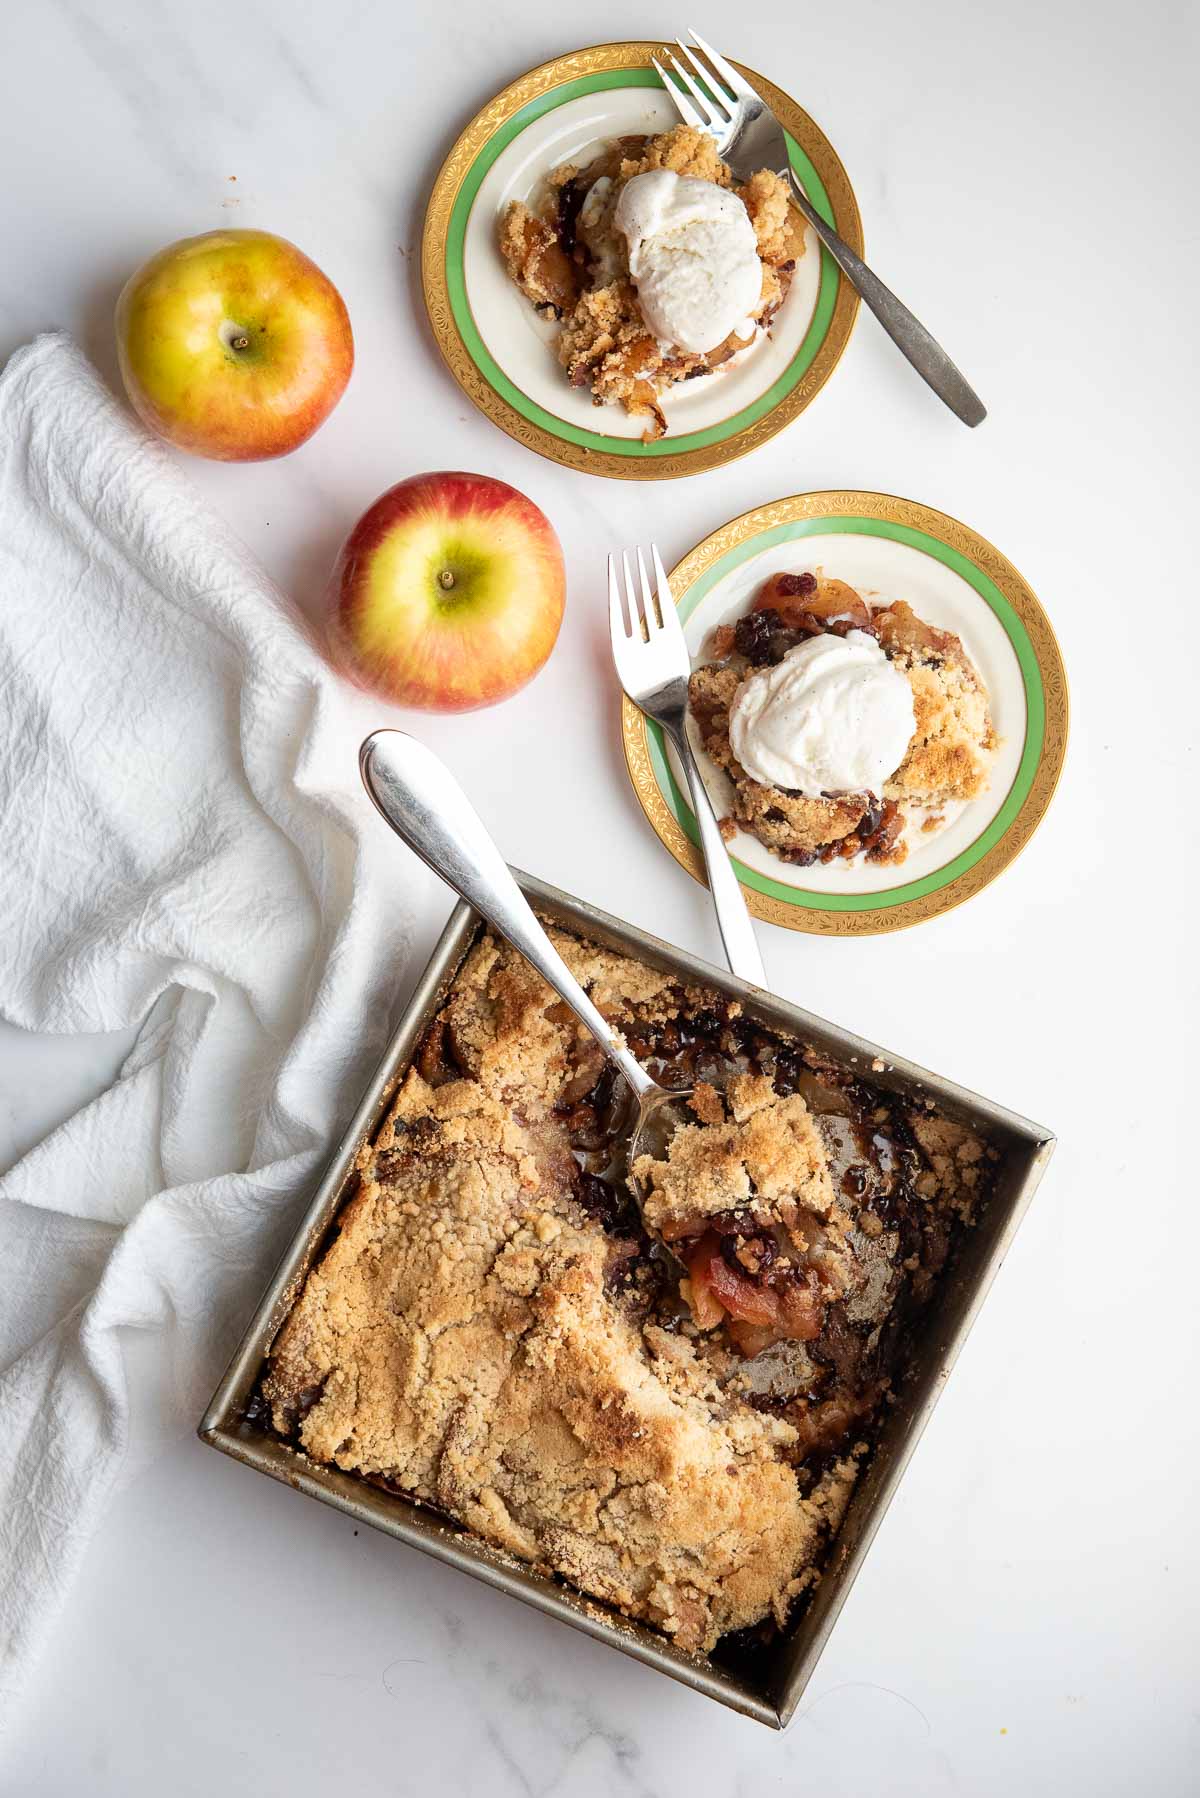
x,y
607,294
877,708
844,728
657,268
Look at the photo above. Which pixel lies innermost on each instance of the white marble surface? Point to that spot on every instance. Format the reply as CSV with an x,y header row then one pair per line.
x,y
1028,1620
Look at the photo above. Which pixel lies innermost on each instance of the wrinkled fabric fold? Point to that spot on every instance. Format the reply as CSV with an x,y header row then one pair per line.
x,y
186,850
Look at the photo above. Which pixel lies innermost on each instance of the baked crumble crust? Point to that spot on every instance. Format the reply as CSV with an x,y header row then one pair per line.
x,y
571,263
752,1150
487,1332
950,754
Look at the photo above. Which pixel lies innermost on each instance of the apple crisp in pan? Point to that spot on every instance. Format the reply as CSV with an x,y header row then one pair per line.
x,y
491,1332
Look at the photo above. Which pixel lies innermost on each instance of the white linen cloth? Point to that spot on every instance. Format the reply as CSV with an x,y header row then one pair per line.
x,y
184,844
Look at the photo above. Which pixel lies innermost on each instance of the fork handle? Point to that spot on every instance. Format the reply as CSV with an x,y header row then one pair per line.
x,y
906,332
729,901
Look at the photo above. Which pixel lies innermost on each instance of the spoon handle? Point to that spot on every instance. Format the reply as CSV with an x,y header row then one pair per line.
x,y
425,806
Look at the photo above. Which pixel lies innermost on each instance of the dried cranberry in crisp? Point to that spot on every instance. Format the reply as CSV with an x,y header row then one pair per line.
x,y
869,823
571,196
598,1198
731,1223
754,1255
752,638
764,638
791,585
746,1248
880,841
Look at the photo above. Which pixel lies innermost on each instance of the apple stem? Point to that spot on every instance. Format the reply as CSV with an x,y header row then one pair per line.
x,y
446,580
241,343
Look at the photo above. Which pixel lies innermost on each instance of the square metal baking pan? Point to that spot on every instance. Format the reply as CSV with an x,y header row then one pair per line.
x,y
773,1693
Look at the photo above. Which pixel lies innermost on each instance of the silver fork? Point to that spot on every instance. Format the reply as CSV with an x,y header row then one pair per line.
x,y
653,667
750,137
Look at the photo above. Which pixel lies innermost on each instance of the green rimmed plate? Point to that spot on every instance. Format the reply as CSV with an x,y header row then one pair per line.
x,y
891,549
501,353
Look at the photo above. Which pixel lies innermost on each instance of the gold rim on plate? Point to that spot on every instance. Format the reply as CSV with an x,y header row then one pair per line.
x,y
449,312
1047,710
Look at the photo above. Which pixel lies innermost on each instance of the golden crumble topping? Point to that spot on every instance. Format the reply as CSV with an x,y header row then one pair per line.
x,y
764,1156
950,754
489,1332
683,150
779,232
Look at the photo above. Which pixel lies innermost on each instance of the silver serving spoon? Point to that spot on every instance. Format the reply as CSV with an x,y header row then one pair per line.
x,y
425,805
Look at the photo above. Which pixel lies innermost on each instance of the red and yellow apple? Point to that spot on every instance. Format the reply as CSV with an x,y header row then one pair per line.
x,y
448,593
233,345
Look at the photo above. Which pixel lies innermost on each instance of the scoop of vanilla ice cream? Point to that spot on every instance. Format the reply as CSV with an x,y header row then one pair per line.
x,y
693,257
834,716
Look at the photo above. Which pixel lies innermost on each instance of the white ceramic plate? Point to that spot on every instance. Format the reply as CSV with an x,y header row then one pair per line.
x,y
888,549
523,344
502,353
882,571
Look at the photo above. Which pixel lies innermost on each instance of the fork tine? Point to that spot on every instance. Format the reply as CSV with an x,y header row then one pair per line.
x,y
683,105
649,601
637,623
662,587
720,108
618,623
710,119
725,70
695,114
